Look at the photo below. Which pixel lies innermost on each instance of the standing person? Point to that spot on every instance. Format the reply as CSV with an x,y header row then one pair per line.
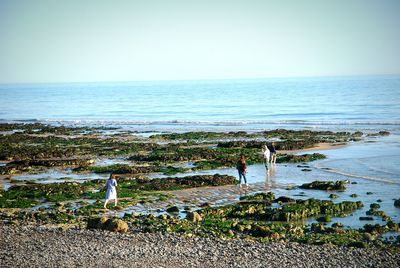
x,y
272,150
242,169
111,193
266,154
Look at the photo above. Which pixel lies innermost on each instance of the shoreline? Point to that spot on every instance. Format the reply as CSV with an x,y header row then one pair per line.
x,y
44,247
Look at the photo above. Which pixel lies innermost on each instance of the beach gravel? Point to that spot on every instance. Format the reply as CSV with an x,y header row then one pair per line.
x,y
53,247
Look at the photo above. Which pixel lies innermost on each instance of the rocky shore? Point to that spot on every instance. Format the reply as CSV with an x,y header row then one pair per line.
x,y
46,247
176,210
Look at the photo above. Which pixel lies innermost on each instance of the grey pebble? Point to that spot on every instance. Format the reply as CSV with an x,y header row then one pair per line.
x,y
31,246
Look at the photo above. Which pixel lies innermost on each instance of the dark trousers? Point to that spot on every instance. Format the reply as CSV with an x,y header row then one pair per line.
x,y
242,174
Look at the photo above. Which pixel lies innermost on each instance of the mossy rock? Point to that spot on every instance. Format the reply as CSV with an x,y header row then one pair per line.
x,y
326,218
259,196
325,185
397,203
96,223
337,225
173,209
299,158
284,199
358,244
374,206
333,196
194,217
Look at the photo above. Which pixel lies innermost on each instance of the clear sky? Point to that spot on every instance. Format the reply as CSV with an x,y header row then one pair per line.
x,y
72,41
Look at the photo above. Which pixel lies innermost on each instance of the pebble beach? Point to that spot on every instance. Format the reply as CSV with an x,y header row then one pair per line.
x,y
53,247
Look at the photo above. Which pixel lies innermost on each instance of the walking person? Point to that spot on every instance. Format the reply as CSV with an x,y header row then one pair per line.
x,y
266,155
272,150
242,169
111,193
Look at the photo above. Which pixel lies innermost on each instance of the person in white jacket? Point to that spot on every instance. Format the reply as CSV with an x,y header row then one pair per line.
x,y
111,193
267,155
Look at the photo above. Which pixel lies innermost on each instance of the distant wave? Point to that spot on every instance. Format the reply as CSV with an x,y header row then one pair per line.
x,y
347,174
20,120
200,122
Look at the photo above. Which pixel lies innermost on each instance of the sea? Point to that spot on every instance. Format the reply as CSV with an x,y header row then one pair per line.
x,y
366,103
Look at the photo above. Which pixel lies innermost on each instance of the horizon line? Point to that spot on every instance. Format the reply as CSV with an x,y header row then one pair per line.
x,y
199,79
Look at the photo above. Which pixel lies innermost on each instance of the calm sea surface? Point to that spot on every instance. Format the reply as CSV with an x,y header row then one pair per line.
x,y
348,102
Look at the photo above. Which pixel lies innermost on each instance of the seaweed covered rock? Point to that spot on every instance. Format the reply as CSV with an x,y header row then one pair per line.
x,y
301,209
259,196
380,229
173,183
173,209
284,199
397,203
326,185
380,133
325,218
49,191
374,206
194,217
289,158
241,144
123,169
52,162
96,223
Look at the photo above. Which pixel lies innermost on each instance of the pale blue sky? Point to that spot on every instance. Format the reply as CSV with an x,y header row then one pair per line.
x,y
71,41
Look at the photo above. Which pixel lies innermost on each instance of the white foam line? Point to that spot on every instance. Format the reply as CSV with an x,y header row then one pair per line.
x,y
335,171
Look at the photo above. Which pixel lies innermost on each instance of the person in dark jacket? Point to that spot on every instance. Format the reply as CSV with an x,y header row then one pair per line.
x,y
242,169
272,150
